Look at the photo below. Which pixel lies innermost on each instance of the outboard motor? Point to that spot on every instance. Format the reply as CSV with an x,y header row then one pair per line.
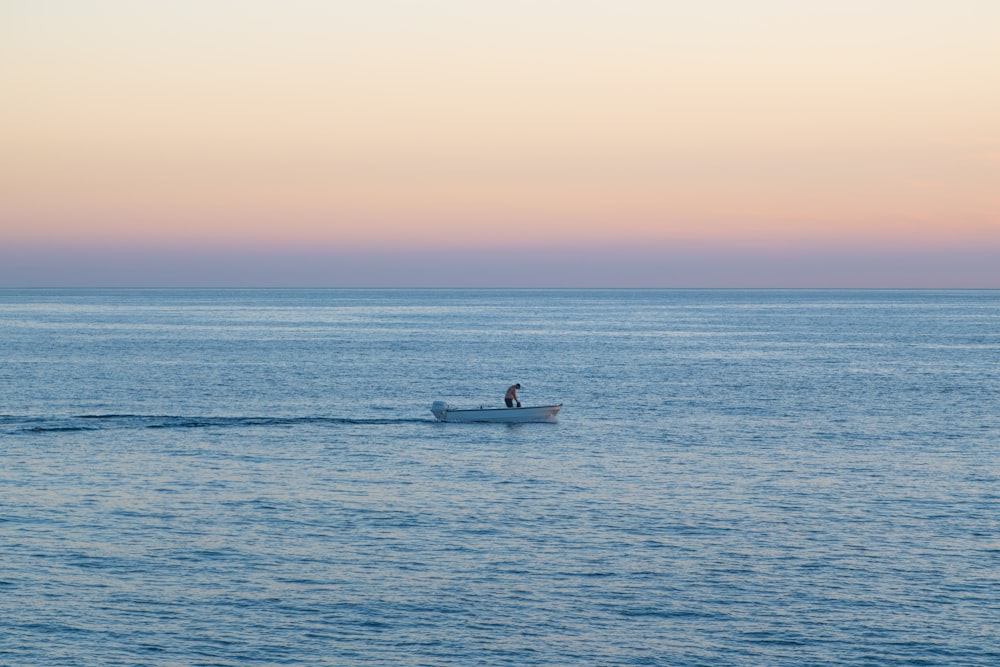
x,y
439,408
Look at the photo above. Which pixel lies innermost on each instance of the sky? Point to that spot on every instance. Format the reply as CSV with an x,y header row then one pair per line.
x,y
541,143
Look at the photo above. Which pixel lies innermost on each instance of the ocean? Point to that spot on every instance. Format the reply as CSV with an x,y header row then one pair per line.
x,y
737,477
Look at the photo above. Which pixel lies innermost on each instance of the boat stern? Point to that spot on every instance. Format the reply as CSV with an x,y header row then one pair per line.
x,y
440,410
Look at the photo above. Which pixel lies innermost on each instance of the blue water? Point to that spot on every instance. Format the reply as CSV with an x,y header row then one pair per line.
x,y
737,478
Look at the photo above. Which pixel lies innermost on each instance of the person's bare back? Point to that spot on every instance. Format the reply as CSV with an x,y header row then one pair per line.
x,y
511,396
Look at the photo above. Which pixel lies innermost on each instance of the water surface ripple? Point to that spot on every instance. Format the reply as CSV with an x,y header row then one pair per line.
x,y
253,477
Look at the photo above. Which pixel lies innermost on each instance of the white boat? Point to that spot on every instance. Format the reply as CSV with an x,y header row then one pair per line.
x,y
537,413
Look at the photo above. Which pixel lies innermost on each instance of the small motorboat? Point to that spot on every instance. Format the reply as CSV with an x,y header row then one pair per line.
x,y
537,413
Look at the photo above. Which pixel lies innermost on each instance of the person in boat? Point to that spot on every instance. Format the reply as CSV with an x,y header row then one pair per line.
x,y
511,396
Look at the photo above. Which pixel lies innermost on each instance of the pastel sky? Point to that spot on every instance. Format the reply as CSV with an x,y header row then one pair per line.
x,y
517,143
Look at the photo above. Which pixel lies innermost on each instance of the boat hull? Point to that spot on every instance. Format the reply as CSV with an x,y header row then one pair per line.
x,y
538,413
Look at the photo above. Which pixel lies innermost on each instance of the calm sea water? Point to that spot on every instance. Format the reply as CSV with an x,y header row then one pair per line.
x,y
737,478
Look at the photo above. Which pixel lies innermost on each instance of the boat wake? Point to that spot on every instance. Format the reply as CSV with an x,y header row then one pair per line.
x,y
13,425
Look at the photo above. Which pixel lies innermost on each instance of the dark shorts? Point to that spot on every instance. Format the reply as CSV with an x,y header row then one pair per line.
x,y
509,402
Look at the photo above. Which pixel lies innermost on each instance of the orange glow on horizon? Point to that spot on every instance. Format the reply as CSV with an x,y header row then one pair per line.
x,y
631,123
